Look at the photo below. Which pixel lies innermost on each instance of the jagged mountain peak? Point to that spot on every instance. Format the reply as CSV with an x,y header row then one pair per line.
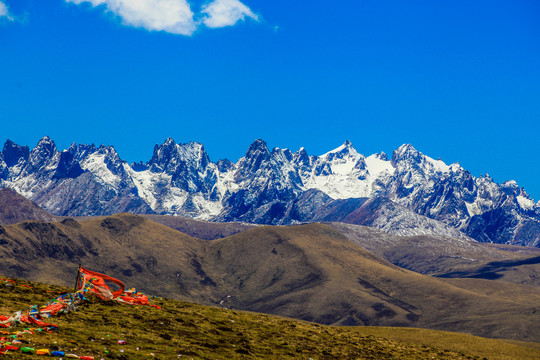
x,y
407,158
486,177
84,150
10,143
110,153
41,155
256,155
162,154
404,148
345,150
68,165
46,139
510,184
347,144
192,150
512,189
406,152
381,156
302,159
13,153
72,148
106,148
164,149
170,154
46,143
258,145
169,141
301,153
456,167
288,154
263,186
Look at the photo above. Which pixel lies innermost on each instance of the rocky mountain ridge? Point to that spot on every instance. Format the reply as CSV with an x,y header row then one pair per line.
x,y
408,194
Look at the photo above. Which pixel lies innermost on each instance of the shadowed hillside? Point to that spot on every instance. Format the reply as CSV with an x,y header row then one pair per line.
x,y
15,208
447,256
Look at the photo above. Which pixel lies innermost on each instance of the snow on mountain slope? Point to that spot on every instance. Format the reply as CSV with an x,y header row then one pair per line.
x,y
401,221
272,187
180,180
148,185
344,173
157,191
37,171
95,164
525,202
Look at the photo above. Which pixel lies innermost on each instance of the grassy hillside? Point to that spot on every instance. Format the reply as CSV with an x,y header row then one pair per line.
x,y
199,332
153,256
310,272
314,273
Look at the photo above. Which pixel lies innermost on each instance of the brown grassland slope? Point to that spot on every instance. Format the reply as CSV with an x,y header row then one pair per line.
x,y
310,272
154,256
191,331
205,230
449,257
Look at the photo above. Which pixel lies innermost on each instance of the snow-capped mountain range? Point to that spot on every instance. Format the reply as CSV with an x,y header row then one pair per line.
x,y
409,193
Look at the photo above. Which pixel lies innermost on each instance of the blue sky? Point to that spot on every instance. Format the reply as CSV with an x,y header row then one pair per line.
x,y
459,80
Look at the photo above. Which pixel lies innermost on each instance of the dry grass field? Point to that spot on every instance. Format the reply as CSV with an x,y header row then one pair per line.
x,y
191,331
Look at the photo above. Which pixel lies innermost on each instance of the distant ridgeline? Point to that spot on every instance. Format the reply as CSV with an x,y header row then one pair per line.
x,y
408,194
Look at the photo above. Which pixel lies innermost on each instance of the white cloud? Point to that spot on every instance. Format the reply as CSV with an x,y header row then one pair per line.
x,y
173,16
4,11
221,13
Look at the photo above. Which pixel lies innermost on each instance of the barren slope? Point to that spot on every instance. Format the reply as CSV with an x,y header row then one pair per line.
x,y
449,256
15,208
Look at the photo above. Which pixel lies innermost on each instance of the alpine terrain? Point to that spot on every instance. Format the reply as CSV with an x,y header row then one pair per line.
x,y
406,194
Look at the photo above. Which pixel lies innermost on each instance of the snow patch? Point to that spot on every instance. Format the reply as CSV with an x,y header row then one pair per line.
x,y
438,165
377,166
347,181
473,209
525,203
95,164
207,209
146,183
